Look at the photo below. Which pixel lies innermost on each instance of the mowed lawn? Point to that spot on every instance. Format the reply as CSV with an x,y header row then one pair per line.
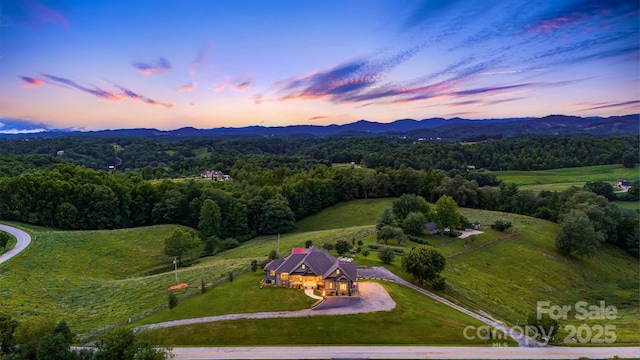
x,y
561,179
416,319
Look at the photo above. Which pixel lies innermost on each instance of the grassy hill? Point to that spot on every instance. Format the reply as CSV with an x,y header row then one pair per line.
x,y
561,179
93,279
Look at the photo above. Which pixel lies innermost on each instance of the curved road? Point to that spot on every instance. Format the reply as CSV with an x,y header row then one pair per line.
x,y
23,238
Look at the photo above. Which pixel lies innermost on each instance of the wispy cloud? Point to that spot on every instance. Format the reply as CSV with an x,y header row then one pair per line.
x,y
33,13
95,91
201,57
239,84
135,96
153,67
187,87
630,105
102,94
316,118
30,82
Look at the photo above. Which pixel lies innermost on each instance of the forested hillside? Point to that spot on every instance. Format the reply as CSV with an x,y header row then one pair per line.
x,y
276,181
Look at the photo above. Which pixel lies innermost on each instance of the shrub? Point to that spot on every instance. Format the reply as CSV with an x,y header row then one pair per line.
x,y
228,244
365,252
453,234
273,255
254,265
439,283
230,276
386,255
308,243
501,225
419,240
374,246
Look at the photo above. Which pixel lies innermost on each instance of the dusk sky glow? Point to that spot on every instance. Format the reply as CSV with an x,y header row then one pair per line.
x,y
168,64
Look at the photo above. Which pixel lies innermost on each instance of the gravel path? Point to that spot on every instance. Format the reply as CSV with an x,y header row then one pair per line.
x,y
373,297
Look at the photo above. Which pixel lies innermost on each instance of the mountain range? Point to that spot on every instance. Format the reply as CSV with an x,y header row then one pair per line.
x,y
455,129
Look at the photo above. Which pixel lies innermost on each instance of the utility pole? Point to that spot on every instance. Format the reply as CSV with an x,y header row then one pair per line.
x,y
175,266
278,244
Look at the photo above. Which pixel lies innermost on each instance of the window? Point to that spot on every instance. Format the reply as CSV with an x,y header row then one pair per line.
x,y
272,273
284,276
304,266
343,286
337,271
330,286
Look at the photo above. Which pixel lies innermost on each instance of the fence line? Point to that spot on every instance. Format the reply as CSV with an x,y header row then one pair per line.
x,y
136,317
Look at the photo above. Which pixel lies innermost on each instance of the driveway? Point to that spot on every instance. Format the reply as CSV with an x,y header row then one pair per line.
x,y
23,238
373,297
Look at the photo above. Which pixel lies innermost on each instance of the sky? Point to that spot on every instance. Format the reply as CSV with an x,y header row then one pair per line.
x,y
167,64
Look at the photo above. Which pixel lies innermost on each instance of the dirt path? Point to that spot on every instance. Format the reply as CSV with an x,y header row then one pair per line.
x,y
373,297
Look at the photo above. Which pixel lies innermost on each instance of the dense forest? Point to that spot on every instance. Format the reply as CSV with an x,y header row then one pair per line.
x,y
275,181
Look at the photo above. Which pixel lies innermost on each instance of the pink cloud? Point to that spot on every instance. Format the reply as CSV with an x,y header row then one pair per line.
x,y
153,67
187,87
316,118
29,82
239,84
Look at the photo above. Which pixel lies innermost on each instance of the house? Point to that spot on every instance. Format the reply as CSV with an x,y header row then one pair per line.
x,y
623,185
315,269
430,228
476,225
215,175
471,167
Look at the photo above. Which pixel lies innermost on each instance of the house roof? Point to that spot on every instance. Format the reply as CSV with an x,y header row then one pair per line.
x,y
431,226
316,261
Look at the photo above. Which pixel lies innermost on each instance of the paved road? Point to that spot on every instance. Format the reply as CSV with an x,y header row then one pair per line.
x,y
383,273
23,241
403,352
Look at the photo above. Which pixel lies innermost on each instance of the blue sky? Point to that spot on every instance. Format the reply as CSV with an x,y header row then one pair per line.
x,y
203,63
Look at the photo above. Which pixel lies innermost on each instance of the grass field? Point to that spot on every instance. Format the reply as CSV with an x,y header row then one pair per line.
x,y
96,278
415,320
89,277
561,179
10,244
633,205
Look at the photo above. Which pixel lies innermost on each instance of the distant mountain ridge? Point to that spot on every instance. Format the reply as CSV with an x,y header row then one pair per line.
x,y
454,129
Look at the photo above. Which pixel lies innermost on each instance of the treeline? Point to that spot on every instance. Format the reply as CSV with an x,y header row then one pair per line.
x,y
180,157
265,199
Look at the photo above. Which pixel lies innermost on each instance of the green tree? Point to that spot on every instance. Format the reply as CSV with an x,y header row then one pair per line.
x,y
365,252
633,194
53,347
276,216
408,203
629,160
254,265
413,224
577,235
8,327
386,255
124,344
386,219
177,243
209,224
388,232
172,300
601,188
425,263
342,246
501,225
447,214
4,239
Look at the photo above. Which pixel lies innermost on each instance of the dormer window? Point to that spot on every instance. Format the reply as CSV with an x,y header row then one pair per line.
x,y
304,266
337,271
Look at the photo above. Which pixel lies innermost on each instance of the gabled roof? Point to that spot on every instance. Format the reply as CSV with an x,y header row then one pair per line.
x,y
317,262
273,264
